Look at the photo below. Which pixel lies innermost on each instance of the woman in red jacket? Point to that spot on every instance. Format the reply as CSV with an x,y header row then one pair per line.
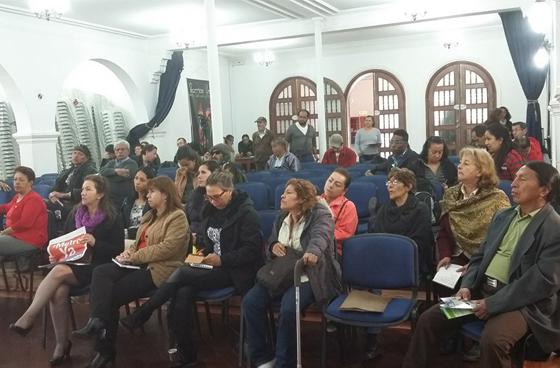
x,y
26,217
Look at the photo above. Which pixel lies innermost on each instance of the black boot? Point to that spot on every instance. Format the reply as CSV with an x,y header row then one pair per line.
x,y
182,359
95,327
101,360
137,319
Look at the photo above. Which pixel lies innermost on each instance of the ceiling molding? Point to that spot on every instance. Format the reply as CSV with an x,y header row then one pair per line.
x,y
276,9
315,7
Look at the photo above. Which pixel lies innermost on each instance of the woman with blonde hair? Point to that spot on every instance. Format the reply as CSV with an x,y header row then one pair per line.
x,y
468,207
160,248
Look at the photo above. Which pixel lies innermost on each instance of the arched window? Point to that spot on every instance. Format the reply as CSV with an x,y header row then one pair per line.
x,y
458,97
378,93
296,93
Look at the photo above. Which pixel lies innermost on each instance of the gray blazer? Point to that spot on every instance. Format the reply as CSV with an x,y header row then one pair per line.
x,y
317,238
534,273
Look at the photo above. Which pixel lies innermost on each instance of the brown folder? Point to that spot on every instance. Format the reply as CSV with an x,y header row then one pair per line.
x,y
364,301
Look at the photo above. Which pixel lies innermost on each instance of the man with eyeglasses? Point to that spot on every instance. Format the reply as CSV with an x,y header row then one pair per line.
x,y
401,156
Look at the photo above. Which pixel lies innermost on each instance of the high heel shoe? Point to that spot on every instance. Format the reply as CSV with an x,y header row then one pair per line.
x,y
101,360
94,327
56,361
135,320
20,330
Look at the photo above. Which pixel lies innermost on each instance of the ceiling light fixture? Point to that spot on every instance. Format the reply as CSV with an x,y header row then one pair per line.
x,y
49,9
416,14
264,58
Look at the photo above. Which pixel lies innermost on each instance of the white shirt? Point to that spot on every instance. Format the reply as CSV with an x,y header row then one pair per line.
x,y
301,128
278,161
292,240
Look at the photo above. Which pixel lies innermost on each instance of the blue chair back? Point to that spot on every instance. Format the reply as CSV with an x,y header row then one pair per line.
x,y
505,185
380,182
170,172
257,176
360,193
273,182
42,189
380,261
267,221
438,191
258,193
5,197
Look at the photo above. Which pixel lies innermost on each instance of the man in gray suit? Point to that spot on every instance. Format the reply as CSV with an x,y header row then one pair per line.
x,y
513,282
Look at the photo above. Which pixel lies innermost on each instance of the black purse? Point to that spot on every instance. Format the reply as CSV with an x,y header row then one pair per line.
x,y
277,275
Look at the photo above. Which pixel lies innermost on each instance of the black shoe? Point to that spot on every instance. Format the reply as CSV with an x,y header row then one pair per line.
x,y
20,330
94,328
101,360
56,361
181,360
135,320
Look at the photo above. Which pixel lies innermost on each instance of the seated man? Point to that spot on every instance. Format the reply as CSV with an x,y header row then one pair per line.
x,y
150,157
67,189
534,152
281,158
401,156
477,136
512,281
525,148
338,154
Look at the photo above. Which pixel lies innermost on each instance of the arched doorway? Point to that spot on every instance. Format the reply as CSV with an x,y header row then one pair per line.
x,y
459,96
378,93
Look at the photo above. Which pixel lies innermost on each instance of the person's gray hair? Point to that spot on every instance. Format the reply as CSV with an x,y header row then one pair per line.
x,y
223,179
122,142
281,142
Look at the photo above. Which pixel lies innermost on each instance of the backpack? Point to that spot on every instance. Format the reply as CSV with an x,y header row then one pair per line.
x,y
428,199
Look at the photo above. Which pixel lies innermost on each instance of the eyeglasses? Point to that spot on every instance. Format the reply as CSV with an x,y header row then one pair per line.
x,y
393,182
215,197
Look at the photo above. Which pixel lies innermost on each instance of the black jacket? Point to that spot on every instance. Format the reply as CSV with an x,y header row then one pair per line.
x,y
411,161
240,240
412,219
109,238
75,184
125,212
194,208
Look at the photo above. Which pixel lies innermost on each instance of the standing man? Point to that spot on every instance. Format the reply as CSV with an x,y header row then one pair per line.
x,y
301,137
120,174
262,140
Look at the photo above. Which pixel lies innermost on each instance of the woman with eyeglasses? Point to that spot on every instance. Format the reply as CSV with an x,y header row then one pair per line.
x,y
231,243
404,215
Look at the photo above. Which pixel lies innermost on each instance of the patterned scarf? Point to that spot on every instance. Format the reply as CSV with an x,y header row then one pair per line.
x,y
83,218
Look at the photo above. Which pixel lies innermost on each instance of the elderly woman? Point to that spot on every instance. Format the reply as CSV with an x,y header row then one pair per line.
x,y
188,161
368,141
26,217
104,237
160,248
468,208
231,244
343,210
511,281
135,207
506,158
306,227
437,167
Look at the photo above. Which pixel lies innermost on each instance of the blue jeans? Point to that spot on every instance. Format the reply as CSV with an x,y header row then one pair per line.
x,y
255,306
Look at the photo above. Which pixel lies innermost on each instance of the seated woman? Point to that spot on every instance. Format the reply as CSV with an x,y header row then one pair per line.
x,y
188,161
343,210
511,281
105,240
245,147
468,208
160,248
306,226
231,243
506,159
135,207
437,167
197,201
26,217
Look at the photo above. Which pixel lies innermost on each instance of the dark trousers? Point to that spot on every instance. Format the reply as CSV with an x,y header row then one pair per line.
x,y
255,305
500,334
307,157
181,288
111,287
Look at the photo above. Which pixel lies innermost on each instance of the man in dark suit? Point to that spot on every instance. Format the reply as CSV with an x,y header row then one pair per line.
x,y
513,281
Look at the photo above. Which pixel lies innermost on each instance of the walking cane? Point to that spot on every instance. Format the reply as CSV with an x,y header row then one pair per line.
x,y
298,271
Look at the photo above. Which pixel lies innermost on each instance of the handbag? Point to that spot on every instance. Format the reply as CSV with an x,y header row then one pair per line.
x,y
277,275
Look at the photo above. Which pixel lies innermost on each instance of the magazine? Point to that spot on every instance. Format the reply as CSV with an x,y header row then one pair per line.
x,y
454,307
68,249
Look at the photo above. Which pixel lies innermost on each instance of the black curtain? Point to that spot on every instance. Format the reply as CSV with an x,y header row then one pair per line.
x,y
167,88
523,43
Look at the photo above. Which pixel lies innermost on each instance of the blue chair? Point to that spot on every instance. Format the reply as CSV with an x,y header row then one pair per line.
x,y
258,193
170,172
42,189
257,176
273,182
215,296
454,160
381,182
438,191
376,261
5,197
505,185
360,193
267,221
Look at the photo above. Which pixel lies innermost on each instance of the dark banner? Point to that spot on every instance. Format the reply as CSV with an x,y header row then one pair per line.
x,y
201,115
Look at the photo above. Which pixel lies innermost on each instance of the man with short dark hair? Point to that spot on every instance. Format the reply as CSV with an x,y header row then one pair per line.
x,y
301,137
262,140
401,156
534,153
281,158
477,136
149,157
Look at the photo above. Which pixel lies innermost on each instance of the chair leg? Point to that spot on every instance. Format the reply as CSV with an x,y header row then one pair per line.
x,y
18,275
241,350
340,333
209,319
31,276
5,276
323,342
197,320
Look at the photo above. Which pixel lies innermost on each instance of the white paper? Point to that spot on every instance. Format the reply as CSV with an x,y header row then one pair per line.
x,y
448,276
453,302
124,265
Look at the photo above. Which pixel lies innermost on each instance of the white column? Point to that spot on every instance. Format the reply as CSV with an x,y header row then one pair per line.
x,y
214,73
38,151
321,122
554,104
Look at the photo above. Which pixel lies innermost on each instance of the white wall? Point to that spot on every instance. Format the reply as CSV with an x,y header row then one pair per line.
x,y
412,59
